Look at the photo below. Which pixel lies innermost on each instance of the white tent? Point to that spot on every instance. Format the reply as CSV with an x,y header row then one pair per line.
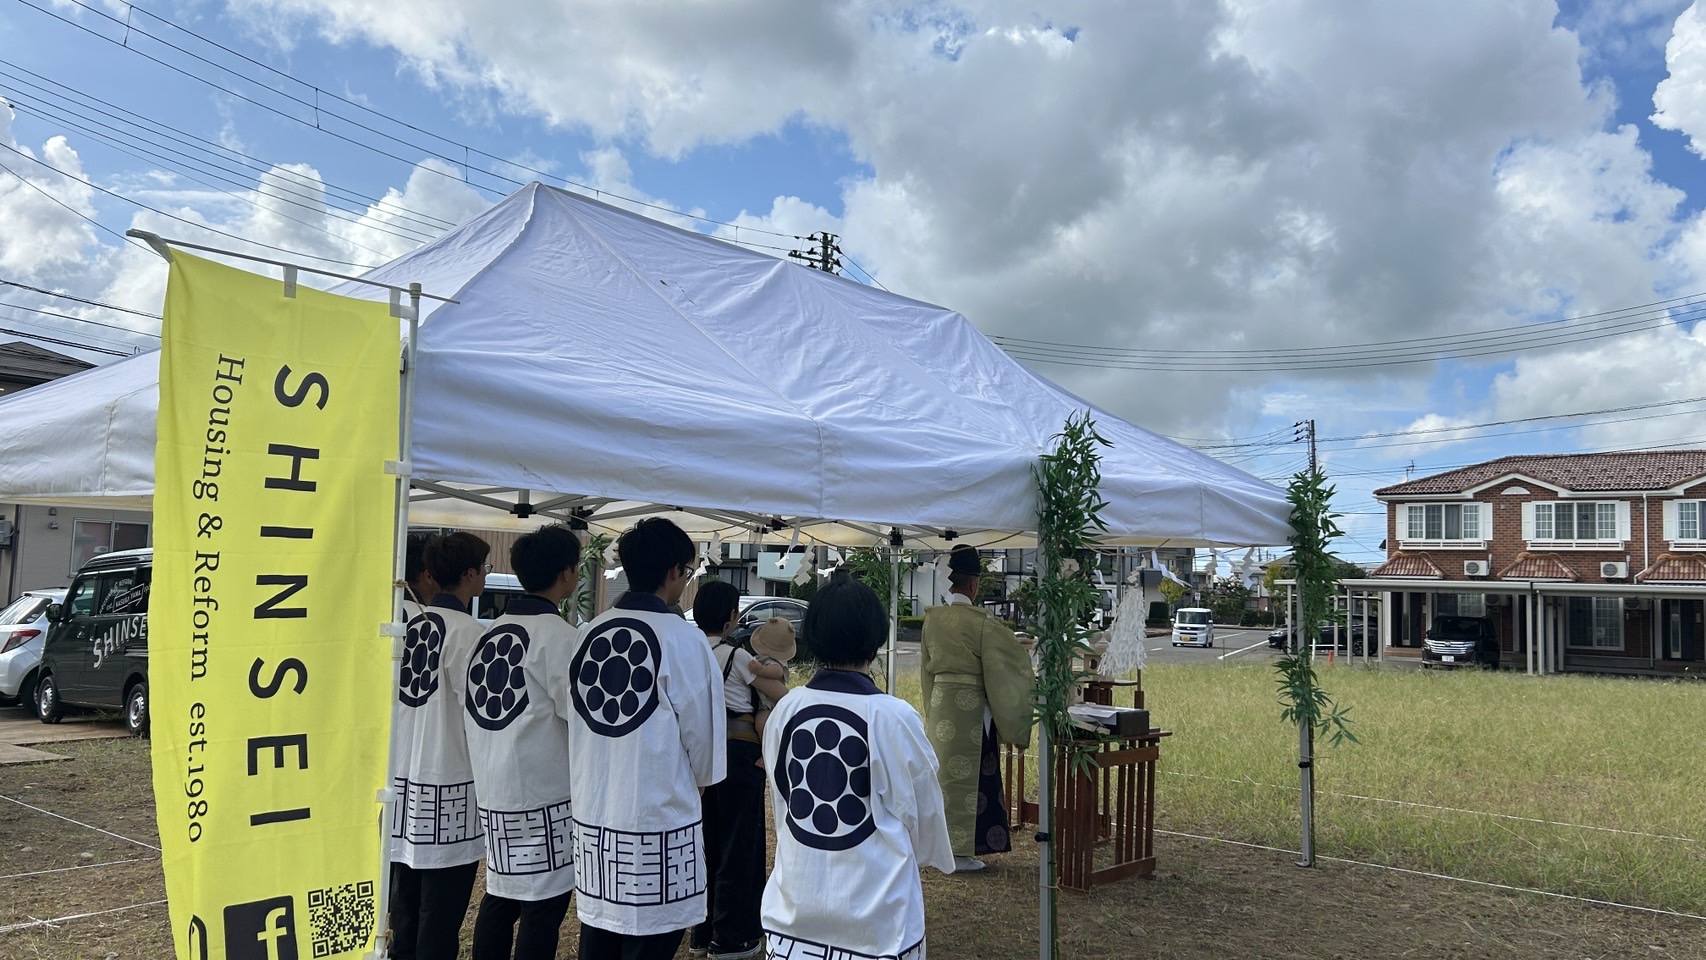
x,y
600,360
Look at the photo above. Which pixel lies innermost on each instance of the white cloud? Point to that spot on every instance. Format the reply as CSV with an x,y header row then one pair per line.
x,y
1680,99
1191,175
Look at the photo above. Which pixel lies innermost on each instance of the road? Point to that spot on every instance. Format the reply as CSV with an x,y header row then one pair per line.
x,y
1231,645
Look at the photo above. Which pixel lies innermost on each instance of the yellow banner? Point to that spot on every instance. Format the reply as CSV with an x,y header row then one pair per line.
x,y
271,681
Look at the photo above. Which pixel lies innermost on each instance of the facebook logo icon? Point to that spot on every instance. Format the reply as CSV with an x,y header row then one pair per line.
x,y
261,930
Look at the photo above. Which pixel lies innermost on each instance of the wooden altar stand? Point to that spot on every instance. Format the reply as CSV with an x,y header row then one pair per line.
x,y
1107,809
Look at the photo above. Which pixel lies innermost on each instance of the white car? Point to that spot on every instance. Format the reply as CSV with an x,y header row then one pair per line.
x,y
23,631
1193,627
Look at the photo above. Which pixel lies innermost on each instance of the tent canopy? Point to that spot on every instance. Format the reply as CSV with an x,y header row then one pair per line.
x,y
600,360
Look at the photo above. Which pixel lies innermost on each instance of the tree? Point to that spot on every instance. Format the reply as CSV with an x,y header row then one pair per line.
x,y
1316,571
1174,591
1228,599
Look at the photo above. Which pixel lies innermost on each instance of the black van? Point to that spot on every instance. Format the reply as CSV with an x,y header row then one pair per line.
x,y
96,653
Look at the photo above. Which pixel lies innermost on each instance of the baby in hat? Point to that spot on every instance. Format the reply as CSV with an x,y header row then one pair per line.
x,y
772,646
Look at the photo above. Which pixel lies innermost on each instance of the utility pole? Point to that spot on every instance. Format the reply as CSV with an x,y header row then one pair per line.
x,y
825,256
1306,428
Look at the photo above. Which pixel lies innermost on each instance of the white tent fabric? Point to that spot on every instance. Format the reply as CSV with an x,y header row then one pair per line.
x,y
597,353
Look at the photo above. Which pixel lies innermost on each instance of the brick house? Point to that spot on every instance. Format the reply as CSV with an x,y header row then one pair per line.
x,y
1584,562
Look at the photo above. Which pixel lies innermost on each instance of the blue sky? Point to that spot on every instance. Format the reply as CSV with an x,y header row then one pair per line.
x,y
1184,177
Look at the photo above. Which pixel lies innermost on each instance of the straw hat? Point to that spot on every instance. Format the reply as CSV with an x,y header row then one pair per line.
x,y
774,638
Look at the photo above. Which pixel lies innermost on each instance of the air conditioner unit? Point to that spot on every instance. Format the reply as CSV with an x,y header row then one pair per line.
x,y
1475,568
1636,603
1496,599
1614,571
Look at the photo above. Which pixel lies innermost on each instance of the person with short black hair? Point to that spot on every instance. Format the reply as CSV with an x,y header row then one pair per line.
x,y
976,681
435,835
419,585
648,702
516,719
734,806
854,794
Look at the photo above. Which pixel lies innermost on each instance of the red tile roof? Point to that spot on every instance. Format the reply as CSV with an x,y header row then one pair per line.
x,y
1407,565
1674,567
1628,470
1538,566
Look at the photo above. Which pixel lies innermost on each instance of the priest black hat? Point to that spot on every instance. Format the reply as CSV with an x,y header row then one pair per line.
x,y
963,559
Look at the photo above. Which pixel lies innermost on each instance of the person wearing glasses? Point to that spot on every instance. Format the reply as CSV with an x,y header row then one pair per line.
x,y
436,838
647,735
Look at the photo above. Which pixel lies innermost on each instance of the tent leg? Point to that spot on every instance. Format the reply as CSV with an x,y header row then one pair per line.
x,y
894,611
399,569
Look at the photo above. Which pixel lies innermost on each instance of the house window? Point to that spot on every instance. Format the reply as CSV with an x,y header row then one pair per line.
x,y
1461,604
1595,622
1592,520
1443,522
1687,520
91,538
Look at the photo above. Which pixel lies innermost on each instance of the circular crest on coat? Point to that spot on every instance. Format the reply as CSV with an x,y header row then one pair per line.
x,y
615,676
824,775
497,687
417,679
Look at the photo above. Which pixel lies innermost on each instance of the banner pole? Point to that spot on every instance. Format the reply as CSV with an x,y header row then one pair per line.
x,y
398,627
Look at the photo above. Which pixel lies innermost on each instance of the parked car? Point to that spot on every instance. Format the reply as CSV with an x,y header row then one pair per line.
x,y
756,613
1351,633
500,589
1193,627
23,632
96,654
1461,641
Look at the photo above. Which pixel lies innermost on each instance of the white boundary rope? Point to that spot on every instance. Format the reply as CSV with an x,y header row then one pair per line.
x,y
80,866
1431,806
1442,876
79,823
10,928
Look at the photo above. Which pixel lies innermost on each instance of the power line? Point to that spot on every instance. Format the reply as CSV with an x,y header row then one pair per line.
x,y
67,316
73,210
319,110
64,343
83,300
145,128
199,226
1654,307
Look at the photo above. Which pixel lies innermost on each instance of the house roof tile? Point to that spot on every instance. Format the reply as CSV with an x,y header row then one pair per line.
x,y
1674,567
1627,470
1408,565
1538,566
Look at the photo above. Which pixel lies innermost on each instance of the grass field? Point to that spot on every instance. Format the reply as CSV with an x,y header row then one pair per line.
x,y
1588,786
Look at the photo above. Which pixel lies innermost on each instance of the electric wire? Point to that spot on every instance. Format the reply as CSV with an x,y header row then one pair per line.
x,y
67,316
243,163
170,216
68,207
318,108
82,300
1544,337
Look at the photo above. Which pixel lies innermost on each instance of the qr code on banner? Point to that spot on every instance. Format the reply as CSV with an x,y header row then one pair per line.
x,y
341,918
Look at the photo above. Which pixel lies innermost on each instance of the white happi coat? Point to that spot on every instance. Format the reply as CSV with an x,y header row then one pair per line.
x,y
858,811
433,821
646,735
515,713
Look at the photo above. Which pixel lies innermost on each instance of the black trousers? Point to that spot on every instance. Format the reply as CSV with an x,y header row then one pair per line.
x,y
596,944
427,908
529,928
734,852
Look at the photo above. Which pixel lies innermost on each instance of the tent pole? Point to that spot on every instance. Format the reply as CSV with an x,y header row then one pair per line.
x,y
894,603
397,628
